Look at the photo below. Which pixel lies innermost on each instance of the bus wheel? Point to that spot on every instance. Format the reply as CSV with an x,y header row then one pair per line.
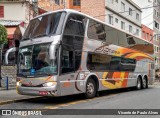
x,y
139,83
144,83
90,89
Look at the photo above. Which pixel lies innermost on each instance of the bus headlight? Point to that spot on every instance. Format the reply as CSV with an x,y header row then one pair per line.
x,y
18,84
48,84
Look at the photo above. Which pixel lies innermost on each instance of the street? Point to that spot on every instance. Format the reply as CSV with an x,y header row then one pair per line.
x,y
114,99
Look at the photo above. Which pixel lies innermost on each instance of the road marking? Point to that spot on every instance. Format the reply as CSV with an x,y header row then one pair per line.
x,y
19,100
51,107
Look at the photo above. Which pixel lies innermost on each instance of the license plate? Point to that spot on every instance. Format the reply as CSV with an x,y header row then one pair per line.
x,y
43,92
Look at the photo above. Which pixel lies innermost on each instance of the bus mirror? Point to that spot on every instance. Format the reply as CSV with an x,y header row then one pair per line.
x,y
7,54
52,52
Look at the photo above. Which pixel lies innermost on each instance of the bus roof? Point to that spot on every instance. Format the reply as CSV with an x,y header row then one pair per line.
x,y
80,13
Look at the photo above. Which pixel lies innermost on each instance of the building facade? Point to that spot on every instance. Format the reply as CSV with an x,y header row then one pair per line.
x,y
151,19
125,15
147,33
85,6
15,16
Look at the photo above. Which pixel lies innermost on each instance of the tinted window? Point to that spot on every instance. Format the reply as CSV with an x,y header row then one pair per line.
x,y
102,62
115,63
130,40
74,25
96,31
44,25
98,61
101,32
67,62
54,21
122,39
128,64
111,36
78,55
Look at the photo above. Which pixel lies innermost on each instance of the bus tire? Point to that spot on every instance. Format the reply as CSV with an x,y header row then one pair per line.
x,y
139,83
144,83
90,89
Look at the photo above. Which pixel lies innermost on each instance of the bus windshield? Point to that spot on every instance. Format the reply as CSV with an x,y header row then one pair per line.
x,y
35,61
44,25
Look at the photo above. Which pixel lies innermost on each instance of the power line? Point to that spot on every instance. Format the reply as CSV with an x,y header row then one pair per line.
x,y
127,11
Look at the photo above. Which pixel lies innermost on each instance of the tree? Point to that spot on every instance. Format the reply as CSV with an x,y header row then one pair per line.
x,y
3,39
3,34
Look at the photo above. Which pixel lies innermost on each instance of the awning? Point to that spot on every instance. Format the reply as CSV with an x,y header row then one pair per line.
x,y
10,32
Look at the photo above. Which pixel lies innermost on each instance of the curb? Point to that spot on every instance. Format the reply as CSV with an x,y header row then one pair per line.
x,y
20,100
4,89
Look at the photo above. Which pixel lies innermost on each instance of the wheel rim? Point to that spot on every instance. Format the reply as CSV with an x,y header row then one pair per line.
x,y
90,88
138,84
144,83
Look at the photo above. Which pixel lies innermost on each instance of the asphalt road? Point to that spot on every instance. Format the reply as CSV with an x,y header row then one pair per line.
x,y
115,99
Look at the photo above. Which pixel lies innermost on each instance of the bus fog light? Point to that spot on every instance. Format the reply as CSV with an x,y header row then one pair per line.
x,y
48,84
18,84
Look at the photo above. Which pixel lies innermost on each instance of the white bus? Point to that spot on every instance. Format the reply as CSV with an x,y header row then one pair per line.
x,y
66,52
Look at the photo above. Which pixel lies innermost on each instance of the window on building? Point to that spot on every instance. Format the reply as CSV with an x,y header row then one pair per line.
x,y
155,48
1,11
144,35
137,32
57,2
155,1
130,28
158,37
130,11
156,61
155,37
137,16
76,2
62,1
112,1
150,37
116,19
147,37
116,1
155,12
110,19
122,25
122,6
156,25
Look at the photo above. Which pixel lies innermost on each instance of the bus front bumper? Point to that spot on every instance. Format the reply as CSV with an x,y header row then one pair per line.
x,y
37,91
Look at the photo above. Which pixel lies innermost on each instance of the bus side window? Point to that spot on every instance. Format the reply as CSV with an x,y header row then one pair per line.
x,y
74,25
67,62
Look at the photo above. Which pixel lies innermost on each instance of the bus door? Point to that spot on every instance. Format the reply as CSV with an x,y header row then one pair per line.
x,y
68,74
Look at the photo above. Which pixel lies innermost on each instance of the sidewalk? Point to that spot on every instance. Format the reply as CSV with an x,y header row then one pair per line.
x,y
11,96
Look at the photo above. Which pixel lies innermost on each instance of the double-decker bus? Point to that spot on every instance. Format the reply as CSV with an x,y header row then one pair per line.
x,y
66,52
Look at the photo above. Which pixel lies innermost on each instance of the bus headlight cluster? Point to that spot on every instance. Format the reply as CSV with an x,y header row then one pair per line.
x,y
48,84
18,83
